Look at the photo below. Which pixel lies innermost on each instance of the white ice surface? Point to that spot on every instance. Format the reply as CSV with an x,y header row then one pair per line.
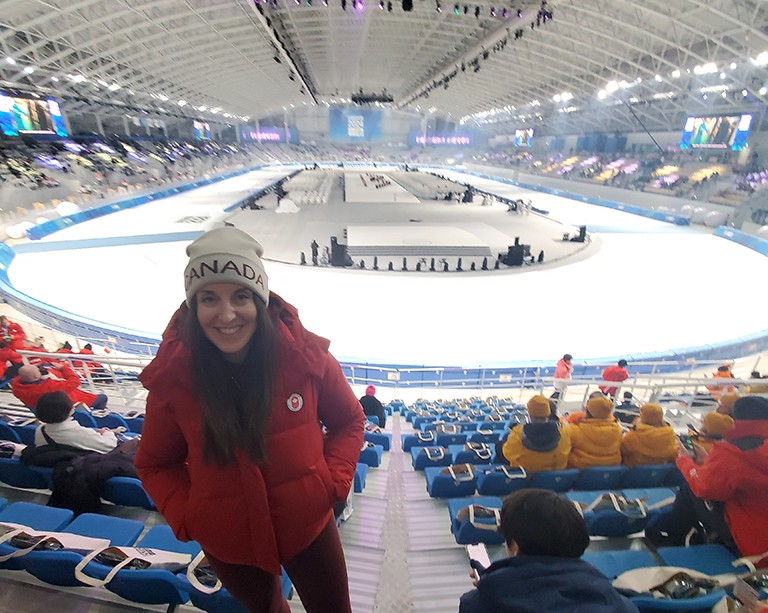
x,y
651,287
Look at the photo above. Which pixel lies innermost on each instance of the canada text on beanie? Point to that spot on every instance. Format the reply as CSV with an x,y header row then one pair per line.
x,y
716,424
538,406
599,407
225,255
750,407
651,414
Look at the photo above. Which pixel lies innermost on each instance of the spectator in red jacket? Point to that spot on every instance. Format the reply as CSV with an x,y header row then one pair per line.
x,y
31,383
11,332
614,373
10,362
251,433
563,372
726,490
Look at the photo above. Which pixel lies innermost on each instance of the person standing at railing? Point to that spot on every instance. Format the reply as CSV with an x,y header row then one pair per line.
x,y
616,373
251,433
563,372
11,332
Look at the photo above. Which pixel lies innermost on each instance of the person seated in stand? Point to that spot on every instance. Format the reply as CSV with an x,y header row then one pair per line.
x,y
725,403
545,537
725,494
372,406
30,384
10,362
596,439
55,410
616,373
713,426
66,347
96,369
577,416
627,411
11,332
542,444
723,372
651,440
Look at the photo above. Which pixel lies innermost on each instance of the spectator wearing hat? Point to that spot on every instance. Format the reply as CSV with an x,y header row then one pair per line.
x,y
563,372
616,373
596,439
725,403
713,426
651,440
577,416
542,444
372,406
725,495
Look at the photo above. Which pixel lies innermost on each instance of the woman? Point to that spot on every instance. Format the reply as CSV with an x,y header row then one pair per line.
x,y
233,451
563,372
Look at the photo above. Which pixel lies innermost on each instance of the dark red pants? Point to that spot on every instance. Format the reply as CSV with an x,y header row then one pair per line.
x,y
319,575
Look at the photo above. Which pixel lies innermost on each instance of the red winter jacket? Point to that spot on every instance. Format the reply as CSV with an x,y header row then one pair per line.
x,y
613,373
8,355
247,513
63,378
740,479
17,334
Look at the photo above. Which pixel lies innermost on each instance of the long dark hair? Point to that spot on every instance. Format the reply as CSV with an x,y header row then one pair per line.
x,y
236,399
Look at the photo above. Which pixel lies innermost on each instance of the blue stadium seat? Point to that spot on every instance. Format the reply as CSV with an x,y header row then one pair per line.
x,y
430,456
371,454
613,563
222,601
659,501
700,604
135,424
445,439
26,433
707,559
361,472
460,455
379,438
8,434
58,567
16,474
500,480
3,503
37,517
111,420
446,485
557,480
491,437
650,475
373,419
84,418
607,521
127,492
149,586
464,531
419,439
599,478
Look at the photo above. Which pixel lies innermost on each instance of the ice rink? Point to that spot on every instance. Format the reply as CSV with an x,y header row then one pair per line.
x,y
644,287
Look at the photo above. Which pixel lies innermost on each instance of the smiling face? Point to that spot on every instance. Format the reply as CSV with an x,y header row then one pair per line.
x,y
227,316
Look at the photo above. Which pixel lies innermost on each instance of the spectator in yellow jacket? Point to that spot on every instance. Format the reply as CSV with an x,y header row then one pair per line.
x,y
713,426
596,439
725,403
651,440
543,444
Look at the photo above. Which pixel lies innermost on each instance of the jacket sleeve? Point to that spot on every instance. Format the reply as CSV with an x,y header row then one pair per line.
x,y
716,478
71,380
342,415
161,464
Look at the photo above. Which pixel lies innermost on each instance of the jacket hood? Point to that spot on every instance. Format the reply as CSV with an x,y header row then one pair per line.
x,y
171,366
541,436
652,439
600,432
540,583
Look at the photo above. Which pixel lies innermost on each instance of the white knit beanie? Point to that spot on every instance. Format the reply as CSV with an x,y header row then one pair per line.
x,y
225,255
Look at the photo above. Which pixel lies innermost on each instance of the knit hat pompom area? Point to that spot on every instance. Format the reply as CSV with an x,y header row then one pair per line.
x,y
225,255
600,407
716,424
726,402
750,407
651,414
370,390
538,406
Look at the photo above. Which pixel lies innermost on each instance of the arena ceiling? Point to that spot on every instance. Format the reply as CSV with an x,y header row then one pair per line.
x,y
596,64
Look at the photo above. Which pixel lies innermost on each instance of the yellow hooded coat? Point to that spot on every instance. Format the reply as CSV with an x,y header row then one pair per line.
x,y
538,447
595,442
647,444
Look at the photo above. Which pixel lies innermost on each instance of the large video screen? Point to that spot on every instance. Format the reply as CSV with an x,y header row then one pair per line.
x,y
201,129
716,132
30,116
524,138
354,125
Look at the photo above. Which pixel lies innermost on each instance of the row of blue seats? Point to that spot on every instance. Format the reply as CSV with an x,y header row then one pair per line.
x,y
122,491
148,586
605,520
491,479
21,432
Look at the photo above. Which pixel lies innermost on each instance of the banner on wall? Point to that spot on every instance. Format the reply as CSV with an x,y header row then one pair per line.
x,y
354,125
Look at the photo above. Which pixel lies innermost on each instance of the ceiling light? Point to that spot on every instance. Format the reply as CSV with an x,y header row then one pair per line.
x,y
733,65
182,102
556,98
761,59
611,87
55,79
10,60
707,68
101,82
29,69
657,78
675,74
114,87
602,94
763,91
